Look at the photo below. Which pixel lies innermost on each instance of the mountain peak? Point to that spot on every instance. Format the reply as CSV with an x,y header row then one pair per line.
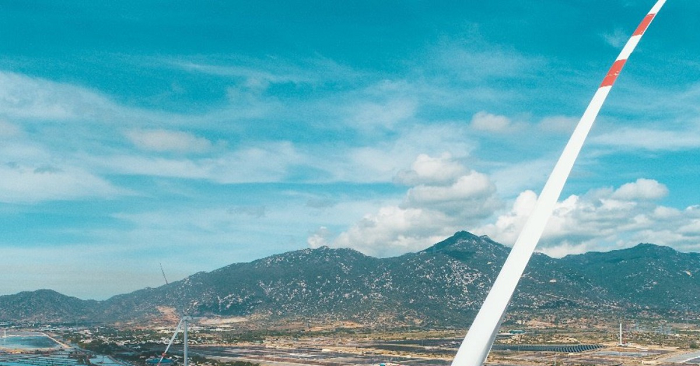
x,y
44,294
436,286
652,248
464,241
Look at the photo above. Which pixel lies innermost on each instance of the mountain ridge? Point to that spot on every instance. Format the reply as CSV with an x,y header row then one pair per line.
x,y
438,286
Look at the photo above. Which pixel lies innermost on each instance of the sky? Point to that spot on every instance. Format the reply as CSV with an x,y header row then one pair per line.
x,y
193,135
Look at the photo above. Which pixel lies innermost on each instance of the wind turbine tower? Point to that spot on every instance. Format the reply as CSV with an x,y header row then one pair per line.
x,y
621,344
184,323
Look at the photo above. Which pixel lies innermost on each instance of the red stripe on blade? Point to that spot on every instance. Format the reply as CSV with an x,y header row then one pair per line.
x,y
613,73
644,25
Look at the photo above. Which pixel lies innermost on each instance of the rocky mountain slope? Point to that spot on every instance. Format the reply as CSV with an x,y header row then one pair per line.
x,y
443,284
43,305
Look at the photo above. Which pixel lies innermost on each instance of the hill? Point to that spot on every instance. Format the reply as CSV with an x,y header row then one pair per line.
x,y
439,286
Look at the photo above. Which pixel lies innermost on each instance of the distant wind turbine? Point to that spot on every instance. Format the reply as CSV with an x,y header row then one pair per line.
x,y
482,333
163,272
183,323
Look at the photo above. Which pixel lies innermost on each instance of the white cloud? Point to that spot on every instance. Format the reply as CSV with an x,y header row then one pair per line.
x,y
649,139
148,166
473,59
558,124
385,115
319,238
259,73
252,76
386,161
257,212
484,121
567,249
642,189
277,161
394,230
26,97
270,162
691,228
30,173
168,141
29,184
34,98
265,162
603,219
495,123
617,38
470,195
429,170
436,206
508,226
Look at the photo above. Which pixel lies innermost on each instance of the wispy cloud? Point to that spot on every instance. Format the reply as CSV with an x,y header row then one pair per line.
x,y
260,163
558,124
35,98
258,74
28,184
649,139
373,103
616,38
472,59
165,141
484,121
370,115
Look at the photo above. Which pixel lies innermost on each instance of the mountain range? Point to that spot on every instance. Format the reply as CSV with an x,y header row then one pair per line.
x,y
439,286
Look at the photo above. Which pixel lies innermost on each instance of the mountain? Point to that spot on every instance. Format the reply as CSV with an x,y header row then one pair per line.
x,y
648,276
45,306
442,285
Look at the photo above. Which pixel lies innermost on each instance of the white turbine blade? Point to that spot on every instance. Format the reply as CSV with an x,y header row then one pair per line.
x,y
172,339
478,341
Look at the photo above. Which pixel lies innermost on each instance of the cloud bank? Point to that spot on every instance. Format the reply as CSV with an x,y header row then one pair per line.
x,y
443,196
604,219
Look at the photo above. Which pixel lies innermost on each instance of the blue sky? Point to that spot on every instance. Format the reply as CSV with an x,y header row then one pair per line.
x,y
199,134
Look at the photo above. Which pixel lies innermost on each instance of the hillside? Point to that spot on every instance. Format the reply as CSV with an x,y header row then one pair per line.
x,y
442,285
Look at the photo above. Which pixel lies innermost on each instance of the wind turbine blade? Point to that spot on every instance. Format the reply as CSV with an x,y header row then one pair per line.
x,y
163,272
479,339
172,339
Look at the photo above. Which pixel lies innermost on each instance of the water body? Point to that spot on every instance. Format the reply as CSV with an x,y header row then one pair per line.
x,y
60,358
106,361
27,342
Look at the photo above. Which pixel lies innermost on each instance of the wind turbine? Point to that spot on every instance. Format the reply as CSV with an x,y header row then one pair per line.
x,y
183,323
482,333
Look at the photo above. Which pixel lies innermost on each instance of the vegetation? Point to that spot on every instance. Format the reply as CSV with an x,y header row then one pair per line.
x,y
435,288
